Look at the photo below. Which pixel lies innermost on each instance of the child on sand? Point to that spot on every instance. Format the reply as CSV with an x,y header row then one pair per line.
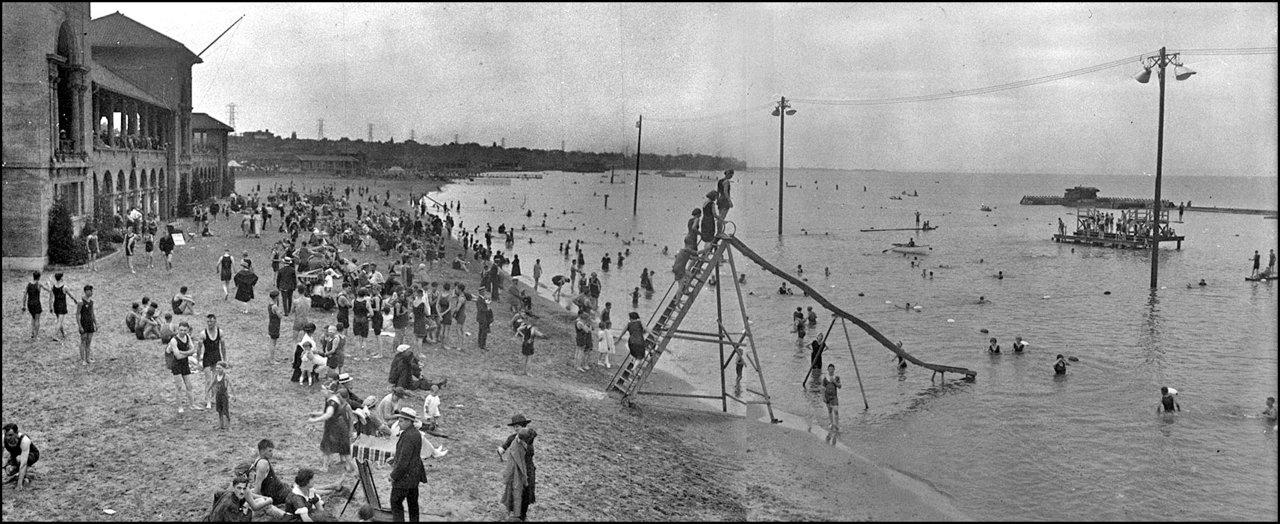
x,y
431,407
604,345
220,390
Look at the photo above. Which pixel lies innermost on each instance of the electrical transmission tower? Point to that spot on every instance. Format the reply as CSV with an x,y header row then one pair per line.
x,y
371,132
320,127
231,115
412,134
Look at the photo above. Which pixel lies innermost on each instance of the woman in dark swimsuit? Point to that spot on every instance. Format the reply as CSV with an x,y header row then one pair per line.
x,y
213,347
360,318
273,324
32,304
59,301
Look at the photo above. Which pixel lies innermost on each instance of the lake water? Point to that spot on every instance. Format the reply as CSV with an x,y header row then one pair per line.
x,y
1017,443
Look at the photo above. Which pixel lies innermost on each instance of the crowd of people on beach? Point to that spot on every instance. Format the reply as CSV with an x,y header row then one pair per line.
x,y
418,305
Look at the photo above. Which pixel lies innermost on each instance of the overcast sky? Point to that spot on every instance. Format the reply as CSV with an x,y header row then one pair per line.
x,y
706,76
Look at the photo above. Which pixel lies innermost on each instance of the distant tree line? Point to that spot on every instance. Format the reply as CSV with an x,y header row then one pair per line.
x,y
276,151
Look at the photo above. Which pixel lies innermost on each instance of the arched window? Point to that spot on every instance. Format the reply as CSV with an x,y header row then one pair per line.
x,y
133,180
153,178
67,133
120,184
106,182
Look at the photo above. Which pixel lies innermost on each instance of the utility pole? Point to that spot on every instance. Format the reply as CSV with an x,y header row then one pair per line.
x,y
370,132
231,115
1181,73
781,112
635,197
320,127
412,134
1155,205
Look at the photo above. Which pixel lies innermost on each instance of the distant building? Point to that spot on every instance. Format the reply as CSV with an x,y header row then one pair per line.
x,y
213,177
259,135
340,165
97,115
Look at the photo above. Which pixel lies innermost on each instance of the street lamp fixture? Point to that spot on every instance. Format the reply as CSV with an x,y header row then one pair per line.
x,y
1161,61
782,111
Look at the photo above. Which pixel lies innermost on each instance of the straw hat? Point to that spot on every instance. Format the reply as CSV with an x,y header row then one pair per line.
x,y
407,414
519,420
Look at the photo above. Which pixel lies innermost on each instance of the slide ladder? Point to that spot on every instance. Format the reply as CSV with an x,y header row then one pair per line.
x,y
633,372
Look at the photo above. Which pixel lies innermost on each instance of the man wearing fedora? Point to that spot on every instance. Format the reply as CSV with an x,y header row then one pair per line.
x,y
408,470
516,497
286,282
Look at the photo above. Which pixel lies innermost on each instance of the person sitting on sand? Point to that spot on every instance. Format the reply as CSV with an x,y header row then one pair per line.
x,y
131,318
183,304
22,455
239,504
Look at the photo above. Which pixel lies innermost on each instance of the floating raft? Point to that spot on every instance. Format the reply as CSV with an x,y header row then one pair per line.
x,y
900,229
1114,240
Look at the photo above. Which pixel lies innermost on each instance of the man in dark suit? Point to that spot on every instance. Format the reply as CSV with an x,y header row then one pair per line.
x,y
286,282
408,471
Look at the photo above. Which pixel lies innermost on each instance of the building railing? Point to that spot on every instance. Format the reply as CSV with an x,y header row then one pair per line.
x,y
130,143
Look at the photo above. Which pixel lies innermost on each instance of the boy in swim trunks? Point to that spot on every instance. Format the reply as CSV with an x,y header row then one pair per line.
x,y
830,384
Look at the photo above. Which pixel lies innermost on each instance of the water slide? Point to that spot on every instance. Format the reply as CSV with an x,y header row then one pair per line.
x,y
742,248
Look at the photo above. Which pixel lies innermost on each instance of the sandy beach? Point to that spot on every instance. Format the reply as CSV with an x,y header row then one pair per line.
x,y
111,439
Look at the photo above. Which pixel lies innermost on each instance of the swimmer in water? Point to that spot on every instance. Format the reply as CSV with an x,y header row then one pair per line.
x,y
1000,275
983,300
1270,411
1060,367
1019,345
1167,401
993,348
1202,283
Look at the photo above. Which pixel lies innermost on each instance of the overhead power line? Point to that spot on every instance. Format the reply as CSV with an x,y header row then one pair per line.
x,y
980,90
972,92
1228,51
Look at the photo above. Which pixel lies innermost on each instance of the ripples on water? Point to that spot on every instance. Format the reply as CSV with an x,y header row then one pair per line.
x,y
1018,443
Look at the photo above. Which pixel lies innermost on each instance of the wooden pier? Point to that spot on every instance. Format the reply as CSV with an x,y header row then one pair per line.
x,y
1114,239
1134,229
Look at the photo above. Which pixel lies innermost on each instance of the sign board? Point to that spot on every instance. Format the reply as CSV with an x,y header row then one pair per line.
x,y
179,239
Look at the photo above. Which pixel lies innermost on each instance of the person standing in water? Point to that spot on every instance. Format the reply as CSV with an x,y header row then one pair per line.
x,y
1060,367
1019,345
1167,401
830,385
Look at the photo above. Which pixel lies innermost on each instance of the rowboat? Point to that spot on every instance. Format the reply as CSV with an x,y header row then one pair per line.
x,y
918,249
